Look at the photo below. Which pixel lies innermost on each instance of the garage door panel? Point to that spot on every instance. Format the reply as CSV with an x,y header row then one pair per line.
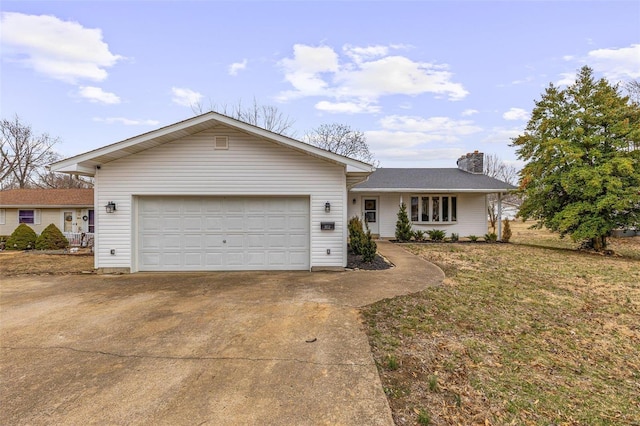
x,y
255,223
191,224
223,233
234,224
193,259
214,258
235,258
213,241
170,242
298,241
277,258
298,258
193,242
277,241
214,222
298,223
256,241
257,258
171,223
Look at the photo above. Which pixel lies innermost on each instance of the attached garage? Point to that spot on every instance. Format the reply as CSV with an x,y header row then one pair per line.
x,y
223,233
215,194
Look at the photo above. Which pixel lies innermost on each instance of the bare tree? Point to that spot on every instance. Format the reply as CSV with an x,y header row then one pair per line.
x,y
49,179
498,169
341,139
24,154
633,89
267,117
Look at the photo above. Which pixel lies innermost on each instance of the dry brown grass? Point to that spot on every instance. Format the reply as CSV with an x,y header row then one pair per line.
x,y
37,263
520,334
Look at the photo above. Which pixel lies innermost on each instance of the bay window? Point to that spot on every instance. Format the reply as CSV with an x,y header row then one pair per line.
x,y
434,208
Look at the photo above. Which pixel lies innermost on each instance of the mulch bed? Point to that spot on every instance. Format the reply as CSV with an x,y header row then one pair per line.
x,y
356,262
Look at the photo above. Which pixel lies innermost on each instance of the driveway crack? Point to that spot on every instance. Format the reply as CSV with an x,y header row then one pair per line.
x,y
186,358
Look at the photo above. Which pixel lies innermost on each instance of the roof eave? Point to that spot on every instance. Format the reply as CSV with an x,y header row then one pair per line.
x,y
86,163
432,190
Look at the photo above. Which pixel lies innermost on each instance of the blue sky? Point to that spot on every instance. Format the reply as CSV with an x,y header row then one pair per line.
x,y
426,81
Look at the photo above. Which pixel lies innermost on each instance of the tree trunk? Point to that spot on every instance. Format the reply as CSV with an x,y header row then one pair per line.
x,y
599,243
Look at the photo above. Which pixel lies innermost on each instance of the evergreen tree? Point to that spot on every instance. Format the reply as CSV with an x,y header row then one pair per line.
x,y
403,226
582,171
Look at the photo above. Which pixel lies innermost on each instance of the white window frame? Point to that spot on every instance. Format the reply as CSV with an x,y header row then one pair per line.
x,y
430,215
36,216
3,217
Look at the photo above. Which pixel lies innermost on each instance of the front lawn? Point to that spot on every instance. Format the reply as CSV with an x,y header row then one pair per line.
x,y
527,333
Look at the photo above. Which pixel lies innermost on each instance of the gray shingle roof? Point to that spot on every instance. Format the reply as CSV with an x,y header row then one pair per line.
x,y
427,179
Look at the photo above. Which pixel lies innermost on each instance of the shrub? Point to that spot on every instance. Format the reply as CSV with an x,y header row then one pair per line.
x,y
454,237
506,231
23,238
403,226
369,247
491,237
51,239
473,238
356,235
418,235
436,234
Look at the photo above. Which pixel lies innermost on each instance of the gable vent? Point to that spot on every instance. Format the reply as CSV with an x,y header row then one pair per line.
x,y
221,142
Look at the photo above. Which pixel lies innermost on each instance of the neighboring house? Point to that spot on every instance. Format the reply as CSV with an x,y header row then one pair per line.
x,y
214,193
71,210
451,199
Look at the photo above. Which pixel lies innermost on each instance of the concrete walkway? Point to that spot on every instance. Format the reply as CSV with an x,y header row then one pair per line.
x,y
277,348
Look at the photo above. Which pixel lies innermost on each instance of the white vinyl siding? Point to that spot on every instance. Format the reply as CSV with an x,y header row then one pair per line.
x,y
471,213
190,166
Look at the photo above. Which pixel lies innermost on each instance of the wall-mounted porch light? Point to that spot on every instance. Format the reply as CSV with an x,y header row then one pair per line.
x,y
327,207
110,207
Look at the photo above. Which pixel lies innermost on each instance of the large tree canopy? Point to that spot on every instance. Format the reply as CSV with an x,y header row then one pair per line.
x,y
582,172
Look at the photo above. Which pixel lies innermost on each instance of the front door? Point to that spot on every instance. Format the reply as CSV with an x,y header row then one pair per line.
x,y
370,213
68,221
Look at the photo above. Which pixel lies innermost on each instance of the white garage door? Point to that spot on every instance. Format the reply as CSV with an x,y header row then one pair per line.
x,y
222,233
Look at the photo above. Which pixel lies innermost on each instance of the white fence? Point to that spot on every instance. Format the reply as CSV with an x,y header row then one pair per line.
x,y
79,239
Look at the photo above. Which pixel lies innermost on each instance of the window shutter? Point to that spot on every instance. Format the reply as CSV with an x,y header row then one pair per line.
x,y
3,217
36,217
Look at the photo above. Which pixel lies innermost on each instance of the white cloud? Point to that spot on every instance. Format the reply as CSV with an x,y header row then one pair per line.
x,y
185,97
63,50
516,114
416,157
346,107
502,135
96,94
237,67
567,79
126,121
444,127
616,64
469,112
412,137
362,75
304,70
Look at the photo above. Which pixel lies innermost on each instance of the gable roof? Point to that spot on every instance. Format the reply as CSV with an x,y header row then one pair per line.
x,y
76,197
85,164
430,180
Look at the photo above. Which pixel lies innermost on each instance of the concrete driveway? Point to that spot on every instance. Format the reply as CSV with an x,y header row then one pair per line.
x,y
197,348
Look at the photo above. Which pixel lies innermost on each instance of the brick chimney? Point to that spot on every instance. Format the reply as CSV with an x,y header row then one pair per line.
x,y
472,163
